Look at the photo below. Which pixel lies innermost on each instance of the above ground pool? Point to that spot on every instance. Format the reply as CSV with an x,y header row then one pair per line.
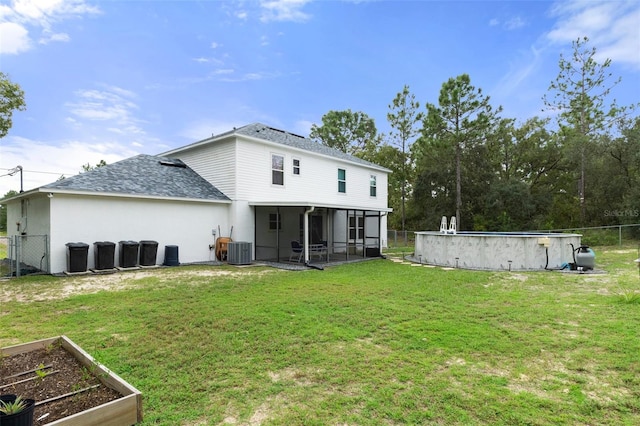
x,y
503,251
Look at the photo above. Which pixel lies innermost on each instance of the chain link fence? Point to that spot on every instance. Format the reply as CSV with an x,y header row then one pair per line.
x,y
397,238
26,254
605,235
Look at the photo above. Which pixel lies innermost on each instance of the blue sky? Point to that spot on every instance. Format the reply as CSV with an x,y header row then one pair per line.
x,y
111,79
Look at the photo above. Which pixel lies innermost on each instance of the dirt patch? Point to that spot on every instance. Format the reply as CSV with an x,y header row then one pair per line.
x,y
118,281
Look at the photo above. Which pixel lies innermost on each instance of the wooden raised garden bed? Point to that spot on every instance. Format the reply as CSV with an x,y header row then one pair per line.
x,y
70,387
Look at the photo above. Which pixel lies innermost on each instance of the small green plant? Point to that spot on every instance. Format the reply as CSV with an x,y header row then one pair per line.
x,y
40,372
86,374
13,407
53,346
628,295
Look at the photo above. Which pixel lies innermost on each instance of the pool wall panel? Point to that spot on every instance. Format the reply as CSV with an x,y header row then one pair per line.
x,y
494,251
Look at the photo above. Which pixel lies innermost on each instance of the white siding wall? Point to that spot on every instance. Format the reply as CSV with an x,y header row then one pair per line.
x,y
216,163
90,219
317,182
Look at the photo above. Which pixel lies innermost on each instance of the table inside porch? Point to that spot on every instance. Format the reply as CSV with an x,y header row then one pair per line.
x,y
319,250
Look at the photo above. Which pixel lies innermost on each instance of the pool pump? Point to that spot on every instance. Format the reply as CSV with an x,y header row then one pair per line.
x,y
584,259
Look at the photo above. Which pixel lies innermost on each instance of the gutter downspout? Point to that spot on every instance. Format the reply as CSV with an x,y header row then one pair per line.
x,y
305,242
383,214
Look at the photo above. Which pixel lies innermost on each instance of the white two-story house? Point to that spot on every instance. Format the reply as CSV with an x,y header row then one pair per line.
x,y
254,184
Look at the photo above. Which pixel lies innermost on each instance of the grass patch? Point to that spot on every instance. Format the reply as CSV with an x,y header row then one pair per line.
x,y
368,343
3,247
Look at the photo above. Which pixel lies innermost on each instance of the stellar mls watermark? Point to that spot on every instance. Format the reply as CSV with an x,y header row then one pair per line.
x,y
622,213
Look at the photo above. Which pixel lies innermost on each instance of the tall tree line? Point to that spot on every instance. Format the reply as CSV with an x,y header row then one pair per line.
x,y
460,157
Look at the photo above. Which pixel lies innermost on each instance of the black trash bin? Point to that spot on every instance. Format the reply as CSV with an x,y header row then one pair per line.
x,y
104,252
77,257
171,256
148,253
128,254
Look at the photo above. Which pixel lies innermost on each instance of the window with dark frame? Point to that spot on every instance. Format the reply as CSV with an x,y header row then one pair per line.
x,y
277,169
275,221
356,227
342,180
296,166
372,186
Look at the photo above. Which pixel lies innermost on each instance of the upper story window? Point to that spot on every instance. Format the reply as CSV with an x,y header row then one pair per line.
x,y
296,166
342,180
372,186
277,169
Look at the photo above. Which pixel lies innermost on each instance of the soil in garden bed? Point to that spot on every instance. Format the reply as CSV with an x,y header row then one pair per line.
x,y
65,375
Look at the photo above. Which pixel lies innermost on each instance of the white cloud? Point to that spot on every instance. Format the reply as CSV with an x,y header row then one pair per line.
x,y
215,45
105,127
510,24
610,26
44,162
49,10
514,23
283,10
49,37
110,104
21,18
14,38
223,71
524,66
108,112
250,76
121,92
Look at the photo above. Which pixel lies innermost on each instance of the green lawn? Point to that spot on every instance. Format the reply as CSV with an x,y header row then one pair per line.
x,y
373,343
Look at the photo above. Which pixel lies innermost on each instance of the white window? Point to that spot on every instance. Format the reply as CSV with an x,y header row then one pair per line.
x,y
296,166
277,169
372,186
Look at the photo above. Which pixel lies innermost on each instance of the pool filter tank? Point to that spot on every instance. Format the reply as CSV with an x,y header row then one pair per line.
x,y
585,258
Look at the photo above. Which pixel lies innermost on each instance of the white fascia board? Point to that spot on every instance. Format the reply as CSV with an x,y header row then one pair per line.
x,y
20,195
314,204
137,196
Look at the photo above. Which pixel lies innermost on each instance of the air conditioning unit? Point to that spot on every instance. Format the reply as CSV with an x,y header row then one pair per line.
x,y
239,253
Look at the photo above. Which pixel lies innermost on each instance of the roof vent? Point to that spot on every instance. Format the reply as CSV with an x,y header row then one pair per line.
x,y
285,132
173,163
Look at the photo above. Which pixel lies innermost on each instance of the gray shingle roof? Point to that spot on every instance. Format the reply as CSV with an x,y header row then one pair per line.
x,y
146,175
262,131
